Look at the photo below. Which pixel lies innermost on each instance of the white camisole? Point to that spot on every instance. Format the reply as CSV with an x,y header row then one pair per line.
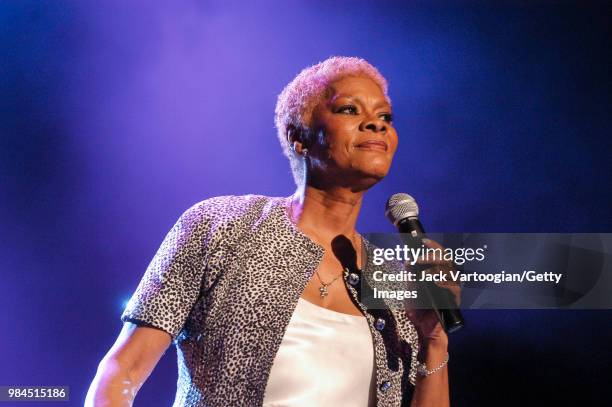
x,y
326,358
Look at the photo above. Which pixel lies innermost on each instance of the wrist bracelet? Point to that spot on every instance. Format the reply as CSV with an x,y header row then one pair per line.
x,y
422,368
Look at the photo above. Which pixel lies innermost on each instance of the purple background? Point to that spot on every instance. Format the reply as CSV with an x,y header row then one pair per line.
x,y
115,118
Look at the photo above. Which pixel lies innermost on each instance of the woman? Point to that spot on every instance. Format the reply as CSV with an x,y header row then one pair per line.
x,y
253,292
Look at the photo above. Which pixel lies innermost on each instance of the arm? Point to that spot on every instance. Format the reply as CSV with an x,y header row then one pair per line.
x,y
432,390
163,299
126,366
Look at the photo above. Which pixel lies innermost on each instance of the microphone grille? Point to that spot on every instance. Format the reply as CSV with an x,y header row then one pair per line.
x,y
401,206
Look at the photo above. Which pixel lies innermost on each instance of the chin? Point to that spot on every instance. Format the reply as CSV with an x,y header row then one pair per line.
x,y
367,178
364,183
376,169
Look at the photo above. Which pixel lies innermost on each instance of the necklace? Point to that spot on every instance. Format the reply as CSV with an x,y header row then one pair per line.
x,y
323,291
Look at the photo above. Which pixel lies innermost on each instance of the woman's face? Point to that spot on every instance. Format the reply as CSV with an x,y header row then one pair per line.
x,y
354,137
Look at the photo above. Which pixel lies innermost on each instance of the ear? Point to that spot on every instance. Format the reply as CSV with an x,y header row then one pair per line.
x,y
295,139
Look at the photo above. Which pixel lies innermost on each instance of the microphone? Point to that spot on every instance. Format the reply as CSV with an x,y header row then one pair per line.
x,y
403,211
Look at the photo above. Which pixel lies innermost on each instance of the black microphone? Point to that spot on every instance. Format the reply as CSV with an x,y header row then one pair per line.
x,y
403,211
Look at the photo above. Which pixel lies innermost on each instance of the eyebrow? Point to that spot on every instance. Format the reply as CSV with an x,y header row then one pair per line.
x,y
384,103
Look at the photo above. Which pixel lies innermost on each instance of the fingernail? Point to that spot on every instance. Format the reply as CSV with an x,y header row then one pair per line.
x,y
426,240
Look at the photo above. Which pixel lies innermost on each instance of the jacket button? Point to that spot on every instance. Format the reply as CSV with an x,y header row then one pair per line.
x,y
353,279
379,324
386,385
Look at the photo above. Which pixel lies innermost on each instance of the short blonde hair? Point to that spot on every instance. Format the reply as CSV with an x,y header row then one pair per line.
x,y
300,97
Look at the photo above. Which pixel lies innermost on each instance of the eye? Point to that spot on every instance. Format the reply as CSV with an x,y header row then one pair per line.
x,y
348,109
388,117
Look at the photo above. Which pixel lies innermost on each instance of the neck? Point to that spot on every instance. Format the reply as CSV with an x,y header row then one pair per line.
x,y
325,214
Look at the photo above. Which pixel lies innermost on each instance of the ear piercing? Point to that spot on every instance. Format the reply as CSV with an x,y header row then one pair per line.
x,y
304,152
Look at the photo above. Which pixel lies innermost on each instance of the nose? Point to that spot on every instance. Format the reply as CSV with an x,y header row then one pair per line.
x,y
374,124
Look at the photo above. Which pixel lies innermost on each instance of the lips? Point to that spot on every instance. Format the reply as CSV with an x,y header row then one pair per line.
x,y
373,145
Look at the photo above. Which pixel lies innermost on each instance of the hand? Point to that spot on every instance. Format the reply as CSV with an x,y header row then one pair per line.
x,y
430,331
444,266
428,327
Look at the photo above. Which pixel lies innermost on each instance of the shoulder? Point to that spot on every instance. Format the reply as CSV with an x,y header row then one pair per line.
x,y
229,206
229,209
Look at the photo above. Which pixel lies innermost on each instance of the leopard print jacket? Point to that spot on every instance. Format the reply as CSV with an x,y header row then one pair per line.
x,y
210,286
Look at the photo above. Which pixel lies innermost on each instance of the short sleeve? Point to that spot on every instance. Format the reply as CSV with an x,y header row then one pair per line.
x,y
171,283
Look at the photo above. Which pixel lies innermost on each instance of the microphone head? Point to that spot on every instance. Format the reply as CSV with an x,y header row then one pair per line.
x,y
401,206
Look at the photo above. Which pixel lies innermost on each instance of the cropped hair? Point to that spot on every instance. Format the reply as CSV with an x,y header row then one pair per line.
x,y
298,100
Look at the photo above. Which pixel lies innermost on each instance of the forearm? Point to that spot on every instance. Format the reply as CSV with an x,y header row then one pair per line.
x,y
433,390
112,386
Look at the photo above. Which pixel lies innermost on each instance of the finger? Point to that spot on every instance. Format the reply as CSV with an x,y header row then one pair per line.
x,y
432,256
444,269
432,259
454,288
427,242
424,318
437,329
429,325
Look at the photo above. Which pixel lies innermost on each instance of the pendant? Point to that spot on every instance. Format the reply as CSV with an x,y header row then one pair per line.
x,y
323,291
